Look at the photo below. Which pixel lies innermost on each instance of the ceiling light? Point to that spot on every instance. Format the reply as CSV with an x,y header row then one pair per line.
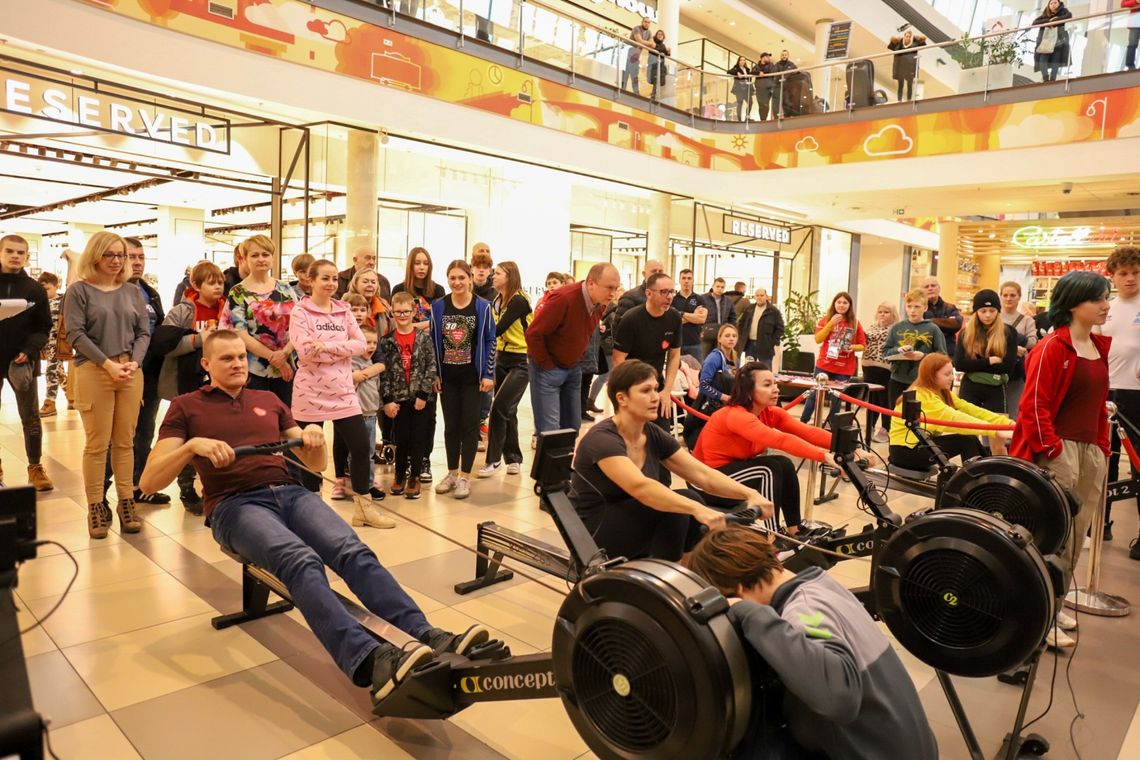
x,y
992,236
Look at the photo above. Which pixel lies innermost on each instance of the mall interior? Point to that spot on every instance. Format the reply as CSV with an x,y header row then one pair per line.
x,y
537,127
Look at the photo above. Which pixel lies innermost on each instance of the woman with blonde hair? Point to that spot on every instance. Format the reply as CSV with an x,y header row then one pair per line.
x,y
986,353
107,326
876,369
366,284
258,309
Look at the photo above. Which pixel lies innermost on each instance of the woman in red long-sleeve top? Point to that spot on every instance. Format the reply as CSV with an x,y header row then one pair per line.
x,y
737,438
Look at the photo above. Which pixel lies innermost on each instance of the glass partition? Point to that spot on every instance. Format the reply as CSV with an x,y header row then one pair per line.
x,y
999,49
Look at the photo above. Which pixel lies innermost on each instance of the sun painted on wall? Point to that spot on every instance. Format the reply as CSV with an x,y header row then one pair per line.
x,y
298,32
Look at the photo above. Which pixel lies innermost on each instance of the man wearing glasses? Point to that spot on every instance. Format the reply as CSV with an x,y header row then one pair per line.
x,y
652,333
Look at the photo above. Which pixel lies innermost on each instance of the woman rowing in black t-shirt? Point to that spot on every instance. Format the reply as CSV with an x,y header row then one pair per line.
x,y
620,485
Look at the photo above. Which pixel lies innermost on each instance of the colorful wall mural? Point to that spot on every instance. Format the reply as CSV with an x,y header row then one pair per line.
x,y
295,31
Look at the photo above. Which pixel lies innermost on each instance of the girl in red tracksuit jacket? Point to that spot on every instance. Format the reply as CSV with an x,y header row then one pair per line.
x,y
1061,422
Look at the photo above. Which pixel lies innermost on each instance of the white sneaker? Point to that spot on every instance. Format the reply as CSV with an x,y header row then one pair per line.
x,y
462,488
1058,639
1065,621
882,435
447,485
514,468
489,469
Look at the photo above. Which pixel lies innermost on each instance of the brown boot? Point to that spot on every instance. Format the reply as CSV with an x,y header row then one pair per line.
x,y
48,409
128,520
98,519
38,478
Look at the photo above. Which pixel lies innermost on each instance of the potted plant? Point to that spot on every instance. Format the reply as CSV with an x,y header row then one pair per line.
x,y
987,63
801,313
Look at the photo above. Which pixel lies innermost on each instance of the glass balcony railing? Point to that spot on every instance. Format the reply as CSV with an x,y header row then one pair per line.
x,y
992,57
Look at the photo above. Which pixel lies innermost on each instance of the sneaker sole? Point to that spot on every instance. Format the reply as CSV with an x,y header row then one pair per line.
x,y
458,495
476,635
366,524
419,656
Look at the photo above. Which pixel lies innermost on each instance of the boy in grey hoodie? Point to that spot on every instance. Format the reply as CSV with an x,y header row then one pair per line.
x,y
848,695
368,386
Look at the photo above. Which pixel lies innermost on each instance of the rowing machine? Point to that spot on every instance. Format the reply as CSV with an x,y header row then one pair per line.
x,y
21,727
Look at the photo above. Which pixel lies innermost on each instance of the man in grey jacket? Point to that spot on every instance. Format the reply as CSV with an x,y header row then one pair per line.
x,y
849,696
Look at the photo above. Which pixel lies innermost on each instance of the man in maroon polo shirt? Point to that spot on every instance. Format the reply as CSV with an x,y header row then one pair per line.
x,y
555,341
257,508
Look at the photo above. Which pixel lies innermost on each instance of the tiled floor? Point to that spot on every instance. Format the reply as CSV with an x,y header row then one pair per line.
x,y
129,666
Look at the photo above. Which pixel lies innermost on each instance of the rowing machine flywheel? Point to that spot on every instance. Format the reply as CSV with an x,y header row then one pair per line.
x,y
1015,491
964,592
649,666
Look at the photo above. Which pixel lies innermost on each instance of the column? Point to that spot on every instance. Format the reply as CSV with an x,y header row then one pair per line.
x,y
362,190
180,243
669,21
989,272
822,78
77,235
657,244
947,271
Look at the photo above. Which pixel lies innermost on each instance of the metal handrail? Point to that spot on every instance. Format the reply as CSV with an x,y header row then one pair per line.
x,y
948,43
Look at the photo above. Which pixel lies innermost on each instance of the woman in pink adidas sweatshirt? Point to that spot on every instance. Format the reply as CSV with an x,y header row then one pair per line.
x,y
326,337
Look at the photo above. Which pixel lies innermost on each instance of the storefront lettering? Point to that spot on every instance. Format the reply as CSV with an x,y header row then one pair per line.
x,y
1035,237
634,6
94,110
757,230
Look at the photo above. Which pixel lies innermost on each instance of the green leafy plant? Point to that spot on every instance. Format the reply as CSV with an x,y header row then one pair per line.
x,y
971,52
801,313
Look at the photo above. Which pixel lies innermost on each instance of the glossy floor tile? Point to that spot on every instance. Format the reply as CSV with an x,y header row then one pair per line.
x,y
130,667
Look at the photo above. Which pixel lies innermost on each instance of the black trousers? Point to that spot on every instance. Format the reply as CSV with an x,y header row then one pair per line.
x,y
283,389
511,380
773,475
461,403
878,376
1128,407
991,397
354,433
632,530
920,458
28,406
894,391
410,432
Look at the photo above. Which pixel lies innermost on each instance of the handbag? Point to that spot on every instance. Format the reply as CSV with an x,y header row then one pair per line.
x,y
1048,42
63,350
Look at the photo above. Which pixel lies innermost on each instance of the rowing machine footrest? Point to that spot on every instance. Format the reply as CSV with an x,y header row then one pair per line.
x,y
425,693
903,472
494,650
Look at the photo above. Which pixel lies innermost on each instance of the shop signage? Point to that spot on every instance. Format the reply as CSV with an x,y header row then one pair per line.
x,y
838,41
83,107
749,228
634,6
1037,238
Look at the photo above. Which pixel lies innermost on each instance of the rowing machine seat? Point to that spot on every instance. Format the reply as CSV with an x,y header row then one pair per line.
x,y
903,472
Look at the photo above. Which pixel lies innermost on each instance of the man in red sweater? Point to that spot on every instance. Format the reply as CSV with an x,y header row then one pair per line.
x,y
555,341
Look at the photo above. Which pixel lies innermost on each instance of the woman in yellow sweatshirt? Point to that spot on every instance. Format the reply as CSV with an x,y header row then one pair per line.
x,y
935,378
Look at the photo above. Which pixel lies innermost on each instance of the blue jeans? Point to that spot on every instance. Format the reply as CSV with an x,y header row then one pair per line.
x,y
291,533
555,398
809,405
693,350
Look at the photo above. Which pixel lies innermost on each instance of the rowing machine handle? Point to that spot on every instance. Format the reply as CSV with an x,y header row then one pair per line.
x,y
742,516
268,448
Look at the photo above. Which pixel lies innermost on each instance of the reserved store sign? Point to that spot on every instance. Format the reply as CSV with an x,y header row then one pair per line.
x,y
27,95
749,228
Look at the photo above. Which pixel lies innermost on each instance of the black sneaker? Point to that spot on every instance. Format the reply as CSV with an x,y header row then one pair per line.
x,y
191,501
1108,530
392,666
442,641
376,493
425,473
151,498
1134,549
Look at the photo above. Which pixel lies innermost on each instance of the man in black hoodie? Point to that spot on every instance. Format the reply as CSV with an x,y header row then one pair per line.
x,y
22,337
636,296
151,368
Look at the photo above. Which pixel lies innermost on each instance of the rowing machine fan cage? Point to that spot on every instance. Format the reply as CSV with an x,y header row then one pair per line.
x,y
964,592
649,666
1015,491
